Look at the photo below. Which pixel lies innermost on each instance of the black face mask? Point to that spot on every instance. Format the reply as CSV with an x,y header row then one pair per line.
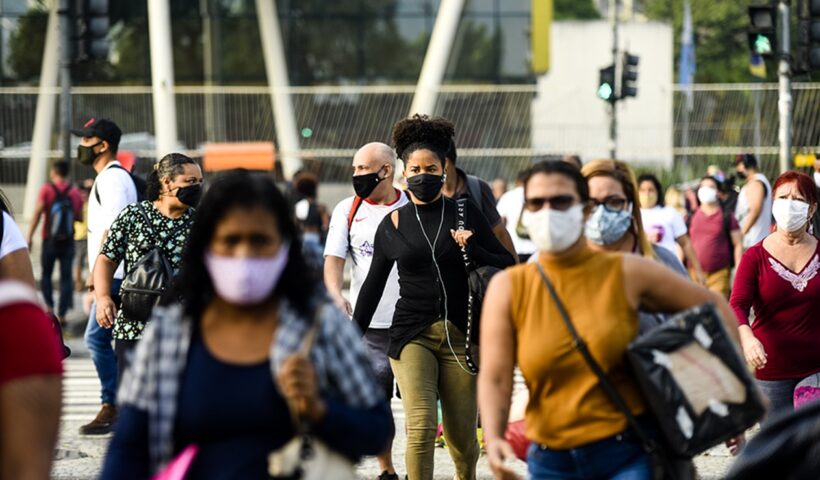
x,y
364,185
425,186
190,195
86,155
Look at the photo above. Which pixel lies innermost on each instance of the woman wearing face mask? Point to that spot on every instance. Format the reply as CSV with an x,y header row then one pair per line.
x,y
576,430
779,279
615,222
219,369
664,226
428,345
163,220
716,238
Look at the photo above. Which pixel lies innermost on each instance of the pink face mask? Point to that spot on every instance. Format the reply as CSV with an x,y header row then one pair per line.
x,y
246,281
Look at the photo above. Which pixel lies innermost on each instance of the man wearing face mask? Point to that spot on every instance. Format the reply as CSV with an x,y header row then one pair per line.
x,y
352,231
162,220
715,238
754,203
112,191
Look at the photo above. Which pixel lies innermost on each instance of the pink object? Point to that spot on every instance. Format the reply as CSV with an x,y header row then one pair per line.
x,y
179,466
517,439
127,159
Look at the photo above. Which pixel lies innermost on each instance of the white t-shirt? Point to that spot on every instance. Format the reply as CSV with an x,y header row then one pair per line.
x,y
362,235
664,223
12,237
763,226
509,207
117,190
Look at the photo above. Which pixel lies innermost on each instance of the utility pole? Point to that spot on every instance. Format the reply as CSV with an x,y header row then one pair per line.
x,y
613,110
162,77
784,101
65,77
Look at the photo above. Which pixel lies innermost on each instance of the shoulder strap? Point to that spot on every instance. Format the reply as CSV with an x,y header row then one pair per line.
x,y
147,219
357,202
649,445
461,224
474,189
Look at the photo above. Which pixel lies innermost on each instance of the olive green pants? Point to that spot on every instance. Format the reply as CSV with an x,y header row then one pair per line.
x,y
427,371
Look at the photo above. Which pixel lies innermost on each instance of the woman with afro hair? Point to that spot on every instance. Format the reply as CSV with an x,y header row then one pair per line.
x,y
431,350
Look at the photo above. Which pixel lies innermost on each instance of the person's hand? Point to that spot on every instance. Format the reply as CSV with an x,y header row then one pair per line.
x,y
297,380
461,237
499,454
753,350
341,302
700,277
29,242
736,444
106,311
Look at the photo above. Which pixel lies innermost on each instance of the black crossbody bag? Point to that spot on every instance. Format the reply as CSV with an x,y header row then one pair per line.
x,y
664,465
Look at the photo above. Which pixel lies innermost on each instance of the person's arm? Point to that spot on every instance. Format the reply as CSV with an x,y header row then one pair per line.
x,y
495,379
653,288
127,457
355,432
689,252
104,269
336,249
29,424
503,236
737,245
334,281
17,265
744,291
756,195
35,221
373,286
482,245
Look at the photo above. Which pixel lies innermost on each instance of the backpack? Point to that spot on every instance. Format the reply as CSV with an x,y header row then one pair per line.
x,y
474,190
357,202
140,185
60,225
148,280
478,277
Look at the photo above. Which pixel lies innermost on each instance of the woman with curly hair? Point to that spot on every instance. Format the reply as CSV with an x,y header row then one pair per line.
x,y
429,345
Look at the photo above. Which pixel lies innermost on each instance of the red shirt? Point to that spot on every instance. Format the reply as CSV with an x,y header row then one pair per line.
x,y
29,345
710,241
787,311
47,196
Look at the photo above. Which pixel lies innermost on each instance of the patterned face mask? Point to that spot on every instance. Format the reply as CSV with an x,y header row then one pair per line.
x,y
606,227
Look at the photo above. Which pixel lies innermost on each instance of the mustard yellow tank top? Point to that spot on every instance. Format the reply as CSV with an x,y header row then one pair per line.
x,y
567,407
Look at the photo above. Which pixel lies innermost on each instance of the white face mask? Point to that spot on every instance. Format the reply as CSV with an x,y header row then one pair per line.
x,y
790,215
817,179
246,281
707,195
554,231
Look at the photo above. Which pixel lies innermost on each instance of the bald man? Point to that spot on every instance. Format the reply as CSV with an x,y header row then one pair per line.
x,y
352,231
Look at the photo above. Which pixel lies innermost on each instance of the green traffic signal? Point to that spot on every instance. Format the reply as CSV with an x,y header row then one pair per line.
x,y
605,91
763,46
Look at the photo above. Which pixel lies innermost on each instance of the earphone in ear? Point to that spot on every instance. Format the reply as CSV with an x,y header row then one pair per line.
x,y
444,178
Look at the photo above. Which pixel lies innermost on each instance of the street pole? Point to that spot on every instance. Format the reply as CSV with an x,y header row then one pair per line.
x,y
162,77
784,102
65,78
613,111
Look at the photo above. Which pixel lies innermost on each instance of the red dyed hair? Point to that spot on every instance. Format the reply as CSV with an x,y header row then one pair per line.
x,y
805,184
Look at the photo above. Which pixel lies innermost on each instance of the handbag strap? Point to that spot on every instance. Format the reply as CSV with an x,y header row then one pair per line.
x,y
468,266
647,443
308,342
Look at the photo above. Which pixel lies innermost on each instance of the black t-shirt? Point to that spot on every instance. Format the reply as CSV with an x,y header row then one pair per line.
x,y
421,301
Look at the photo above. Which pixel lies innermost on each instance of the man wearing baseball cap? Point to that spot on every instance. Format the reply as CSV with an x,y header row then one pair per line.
x,y
112,191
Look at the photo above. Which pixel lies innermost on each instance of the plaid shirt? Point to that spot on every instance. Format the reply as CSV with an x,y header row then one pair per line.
x,y
153,381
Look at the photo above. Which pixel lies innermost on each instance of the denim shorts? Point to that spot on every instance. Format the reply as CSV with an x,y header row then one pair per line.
x,y
618,457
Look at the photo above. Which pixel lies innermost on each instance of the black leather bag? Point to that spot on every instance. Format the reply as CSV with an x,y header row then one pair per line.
x,y
478,277
147,281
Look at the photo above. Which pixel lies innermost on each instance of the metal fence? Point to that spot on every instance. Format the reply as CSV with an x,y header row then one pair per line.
x,y
493,122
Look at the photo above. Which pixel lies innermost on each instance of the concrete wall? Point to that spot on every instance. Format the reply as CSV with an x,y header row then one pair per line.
x,y
569,117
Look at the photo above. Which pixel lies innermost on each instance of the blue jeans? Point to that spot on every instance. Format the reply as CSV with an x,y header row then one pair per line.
x,y
98,341
50,255
619,457
780,394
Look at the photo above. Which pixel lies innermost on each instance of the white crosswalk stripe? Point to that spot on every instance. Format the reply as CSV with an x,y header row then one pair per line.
x,y
81,390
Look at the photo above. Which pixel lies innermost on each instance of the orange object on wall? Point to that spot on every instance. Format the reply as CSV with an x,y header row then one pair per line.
x,y
127,159
249,155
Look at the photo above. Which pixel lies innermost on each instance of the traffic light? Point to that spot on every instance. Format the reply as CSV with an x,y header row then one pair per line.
x,y
606,84
92,29
807,57
629,75
762,33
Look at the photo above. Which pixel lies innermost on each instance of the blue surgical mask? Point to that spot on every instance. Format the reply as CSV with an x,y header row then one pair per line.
x,y
606,227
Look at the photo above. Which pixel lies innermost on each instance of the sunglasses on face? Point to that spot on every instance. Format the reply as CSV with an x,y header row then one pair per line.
x,y
613,203
558,202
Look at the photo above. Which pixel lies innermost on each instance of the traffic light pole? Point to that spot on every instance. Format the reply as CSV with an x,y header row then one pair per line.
x,y
65,78
613,111
784,101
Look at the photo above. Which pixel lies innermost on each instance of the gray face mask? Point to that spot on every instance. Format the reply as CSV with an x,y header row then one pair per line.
x,y
606,227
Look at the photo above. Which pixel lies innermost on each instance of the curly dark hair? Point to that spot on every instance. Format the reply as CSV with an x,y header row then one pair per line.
x,y
170,166
241,189
422,132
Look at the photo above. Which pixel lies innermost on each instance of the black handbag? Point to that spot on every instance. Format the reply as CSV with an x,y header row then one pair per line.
x,y
148,280
478,277
665,464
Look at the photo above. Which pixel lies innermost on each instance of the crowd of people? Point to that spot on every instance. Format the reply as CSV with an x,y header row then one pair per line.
x,y
221,329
